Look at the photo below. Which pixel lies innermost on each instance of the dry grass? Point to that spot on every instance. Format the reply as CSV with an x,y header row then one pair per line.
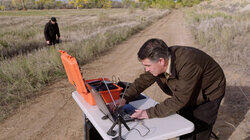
x,y
86,34
222,29
21,34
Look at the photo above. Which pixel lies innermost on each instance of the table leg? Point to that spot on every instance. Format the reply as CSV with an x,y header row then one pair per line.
x,y
90,132
86,127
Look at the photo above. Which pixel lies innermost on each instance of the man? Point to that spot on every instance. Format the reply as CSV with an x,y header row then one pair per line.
x,y
195,82
50,31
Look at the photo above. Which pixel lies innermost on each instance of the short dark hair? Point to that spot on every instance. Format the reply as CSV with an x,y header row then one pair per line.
x,y
153,49
53,19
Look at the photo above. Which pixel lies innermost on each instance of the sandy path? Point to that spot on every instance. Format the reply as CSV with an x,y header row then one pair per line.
x,y
55,115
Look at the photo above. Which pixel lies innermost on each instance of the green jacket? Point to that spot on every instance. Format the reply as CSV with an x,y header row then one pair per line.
x,y
195,79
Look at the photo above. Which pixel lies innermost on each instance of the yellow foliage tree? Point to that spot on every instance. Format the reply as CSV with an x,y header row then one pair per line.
x,y
14,3
44,2
2,7
19,3
78,3
85,1
109,5
106,3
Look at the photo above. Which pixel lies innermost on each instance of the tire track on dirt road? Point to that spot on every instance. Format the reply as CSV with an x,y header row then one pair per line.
x,y
55,115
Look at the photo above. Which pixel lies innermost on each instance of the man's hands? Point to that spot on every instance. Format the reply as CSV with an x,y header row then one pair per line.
x,y
47,42
140,114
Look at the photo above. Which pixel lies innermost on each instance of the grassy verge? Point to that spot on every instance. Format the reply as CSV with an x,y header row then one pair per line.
x,y
22,76
223,30
23,34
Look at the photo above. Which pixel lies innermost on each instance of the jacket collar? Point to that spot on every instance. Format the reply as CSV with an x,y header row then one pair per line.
x,y
168,71
172,68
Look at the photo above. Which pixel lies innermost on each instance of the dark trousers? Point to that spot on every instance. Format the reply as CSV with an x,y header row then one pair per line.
x,y
203,117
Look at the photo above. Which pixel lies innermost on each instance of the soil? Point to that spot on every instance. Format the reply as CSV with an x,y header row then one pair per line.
x,y
55,115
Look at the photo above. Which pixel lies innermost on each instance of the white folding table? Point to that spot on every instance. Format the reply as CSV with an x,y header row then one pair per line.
x,y
160,128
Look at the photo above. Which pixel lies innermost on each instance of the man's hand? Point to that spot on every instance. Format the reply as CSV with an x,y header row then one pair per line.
x,y
120,102
47,42
140,114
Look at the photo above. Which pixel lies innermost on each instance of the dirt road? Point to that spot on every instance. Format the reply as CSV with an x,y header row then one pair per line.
x,y
55,115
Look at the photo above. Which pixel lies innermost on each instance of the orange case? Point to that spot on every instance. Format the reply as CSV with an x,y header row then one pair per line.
x,y
75,78
105,94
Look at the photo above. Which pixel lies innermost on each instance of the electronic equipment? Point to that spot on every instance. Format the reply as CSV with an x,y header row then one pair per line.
x,y
83,86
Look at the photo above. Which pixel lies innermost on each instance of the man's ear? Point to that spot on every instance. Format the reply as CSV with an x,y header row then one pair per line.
x,y
162,61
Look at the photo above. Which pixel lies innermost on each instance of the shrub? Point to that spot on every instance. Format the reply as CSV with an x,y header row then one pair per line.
x,y
2,7
190,3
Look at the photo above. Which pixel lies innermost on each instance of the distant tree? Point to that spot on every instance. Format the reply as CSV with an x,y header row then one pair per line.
x,y
59,4
163,4
77,3
116,4
167,3
91,3
13,3
106,3
189,3
47,4
85,1
126,3
2,7
19,4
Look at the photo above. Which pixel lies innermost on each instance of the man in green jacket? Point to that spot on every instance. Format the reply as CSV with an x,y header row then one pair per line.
x,y
195,82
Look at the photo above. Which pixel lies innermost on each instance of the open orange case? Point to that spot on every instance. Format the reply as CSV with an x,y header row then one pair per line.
x,y
75,78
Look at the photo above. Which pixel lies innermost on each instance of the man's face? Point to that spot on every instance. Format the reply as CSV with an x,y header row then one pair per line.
x,y
155,67
53,22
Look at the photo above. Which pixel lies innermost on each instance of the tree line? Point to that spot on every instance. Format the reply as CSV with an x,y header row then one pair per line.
x,y
83,4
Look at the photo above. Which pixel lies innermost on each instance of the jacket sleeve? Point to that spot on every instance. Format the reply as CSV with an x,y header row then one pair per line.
x,y
46,32
57,30
139,85
184,87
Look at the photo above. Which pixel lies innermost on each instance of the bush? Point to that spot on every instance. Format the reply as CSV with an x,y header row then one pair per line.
x,y
163,4
116,4
190,3
7,5
2,7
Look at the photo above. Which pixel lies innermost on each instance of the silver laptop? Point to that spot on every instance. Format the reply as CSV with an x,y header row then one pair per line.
x,y
126,111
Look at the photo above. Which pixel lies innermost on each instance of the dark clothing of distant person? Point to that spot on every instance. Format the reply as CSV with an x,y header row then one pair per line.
x,y
196,86
50,32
